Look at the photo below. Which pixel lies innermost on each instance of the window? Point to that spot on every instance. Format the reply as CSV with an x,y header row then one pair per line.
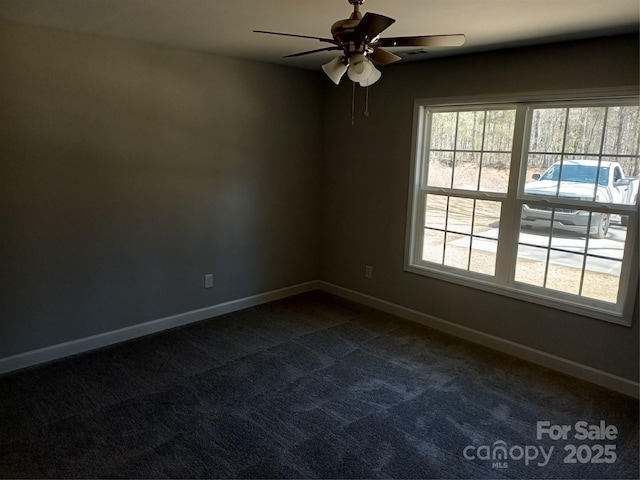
x,y
535,200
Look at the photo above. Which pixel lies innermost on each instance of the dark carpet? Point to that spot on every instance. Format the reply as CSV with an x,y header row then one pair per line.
x,y
312,386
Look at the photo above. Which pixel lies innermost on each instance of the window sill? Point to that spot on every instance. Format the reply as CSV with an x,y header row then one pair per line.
x,y
525,293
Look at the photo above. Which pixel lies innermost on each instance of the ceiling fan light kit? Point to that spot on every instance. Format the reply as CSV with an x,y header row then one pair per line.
x,y
360,68
359,39
336,69
372,78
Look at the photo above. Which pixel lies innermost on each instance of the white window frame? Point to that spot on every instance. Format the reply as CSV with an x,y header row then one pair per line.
x,y
503,282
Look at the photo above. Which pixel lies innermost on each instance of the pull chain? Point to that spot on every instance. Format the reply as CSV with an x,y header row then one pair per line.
x,y
366,103
353,103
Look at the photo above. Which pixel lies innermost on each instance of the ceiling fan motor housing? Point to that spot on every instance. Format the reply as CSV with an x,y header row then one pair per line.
x,y
343,33
343,30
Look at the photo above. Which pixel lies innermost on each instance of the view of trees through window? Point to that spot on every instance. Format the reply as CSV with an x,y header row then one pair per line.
x,y
471,150
565,243
587,132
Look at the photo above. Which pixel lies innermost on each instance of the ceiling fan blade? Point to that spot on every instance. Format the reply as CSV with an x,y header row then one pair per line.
x,y
425,41
312,51
327,40
371,25
384,57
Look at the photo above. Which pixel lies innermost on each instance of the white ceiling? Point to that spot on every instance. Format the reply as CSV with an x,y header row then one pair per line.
x,y
225,26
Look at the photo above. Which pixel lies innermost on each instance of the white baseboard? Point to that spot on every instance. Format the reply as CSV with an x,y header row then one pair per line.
x,y
553,362
54,352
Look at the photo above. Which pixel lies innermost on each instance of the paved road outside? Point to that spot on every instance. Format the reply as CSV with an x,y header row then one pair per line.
x,y
611,247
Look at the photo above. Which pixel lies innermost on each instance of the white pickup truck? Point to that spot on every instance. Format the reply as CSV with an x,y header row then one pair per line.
x,y
578,182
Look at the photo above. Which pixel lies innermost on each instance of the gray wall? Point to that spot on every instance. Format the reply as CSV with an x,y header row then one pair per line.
x,y
366,181
128,171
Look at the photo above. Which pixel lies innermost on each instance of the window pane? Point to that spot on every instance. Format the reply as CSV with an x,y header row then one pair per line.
x,y
584,130
621,135
470,131
440,169
487,218
547,130
529,270
483,256
537,165
460,215
601,285
564,272
443,131
498,136
533,251
433,246
614,189
436,212
484,244
494,176
467,171
457,251
630,167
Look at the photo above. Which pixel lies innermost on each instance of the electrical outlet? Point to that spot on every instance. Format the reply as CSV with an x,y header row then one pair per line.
x,y
368,271
208,281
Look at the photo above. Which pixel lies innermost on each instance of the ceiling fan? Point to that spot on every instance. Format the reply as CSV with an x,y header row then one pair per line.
x,y
358,37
